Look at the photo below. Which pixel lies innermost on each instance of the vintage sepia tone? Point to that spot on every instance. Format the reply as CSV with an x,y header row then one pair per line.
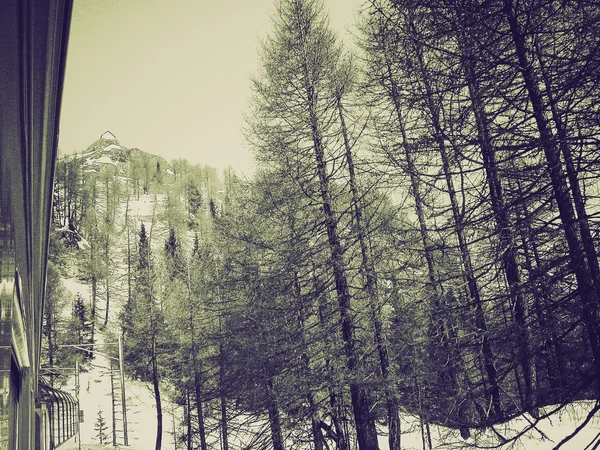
x,y
299,224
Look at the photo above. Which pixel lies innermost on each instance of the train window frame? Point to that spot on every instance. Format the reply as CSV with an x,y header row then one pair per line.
x,y
14,398
18,333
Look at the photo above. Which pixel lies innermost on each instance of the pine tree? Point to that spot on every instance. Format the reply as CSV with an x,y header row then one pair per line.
x,y
81,325
53,305
184,294
195,199
174,260
143,326
100,427
293,103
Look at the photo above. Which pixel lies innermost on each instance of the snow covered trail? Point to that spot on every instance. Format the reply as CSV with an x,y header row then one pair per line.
x,y
545,435
95,396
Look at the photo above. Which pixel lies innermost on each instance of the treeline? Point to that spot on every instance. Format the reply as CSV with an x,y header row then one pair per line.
x,y
94,234
421,233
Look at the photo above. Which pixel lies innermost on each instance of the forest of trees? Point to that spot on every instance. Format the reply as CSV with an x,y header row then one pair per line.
x,y
420,235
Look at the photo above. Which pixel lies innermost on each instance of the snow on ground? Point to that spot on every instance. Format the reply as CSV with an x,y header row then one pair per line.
x,y
95,389
76,287
142,425
550,431
102,160
546,434
145,205
95,395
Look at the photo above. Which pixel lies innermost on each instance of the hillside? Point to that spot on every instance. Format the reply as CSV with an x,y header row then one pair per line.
x,y
102,197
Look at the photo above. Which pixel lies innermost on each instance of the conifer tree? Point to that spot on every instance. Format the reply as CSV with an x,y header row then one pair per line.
x,y
100,427
470,106
293,106
81,325
55,301
185,294
143,327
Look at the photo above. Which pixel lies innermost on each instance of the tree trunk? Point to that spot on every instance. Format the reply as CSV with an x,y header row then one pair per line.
x,y
340,436
224,434
467,266
583,274
155,384
94,300
108,225
113,404
370,276
361,404
93,239
342,439
274,418
197,374
504,227
315,423
128,251
107,302
188,419
199,411
107,278
304,358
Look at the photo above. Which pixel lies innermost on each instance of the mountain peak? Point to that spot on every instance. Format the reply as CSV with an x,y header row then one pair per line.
x,y
106,150
106,142
107,135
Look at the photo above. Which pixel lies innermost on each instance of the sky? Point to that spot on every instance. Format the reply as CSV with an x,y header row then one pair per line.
x,y
170,77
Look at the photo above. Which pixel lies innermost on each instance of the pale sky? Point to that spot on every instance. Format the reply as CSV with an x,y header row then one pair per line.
x,y
170,77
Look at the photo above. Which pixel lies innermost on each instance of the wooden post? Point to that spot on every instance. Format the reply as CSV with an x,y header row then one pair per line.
x,y
123,401
112,398
78,412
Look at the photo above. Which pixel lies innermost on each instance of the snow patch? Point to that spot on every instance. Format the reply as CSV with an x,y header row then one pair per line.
x,y
145,205
113,146
102,160
83,243
74,286
544,434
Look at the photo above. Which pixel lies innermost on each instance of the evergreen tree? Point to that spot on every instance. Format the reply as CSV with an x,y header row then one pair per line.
x,y
174,259
55,302
81,326
213,208
195,199
290,129
143,327
100,427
